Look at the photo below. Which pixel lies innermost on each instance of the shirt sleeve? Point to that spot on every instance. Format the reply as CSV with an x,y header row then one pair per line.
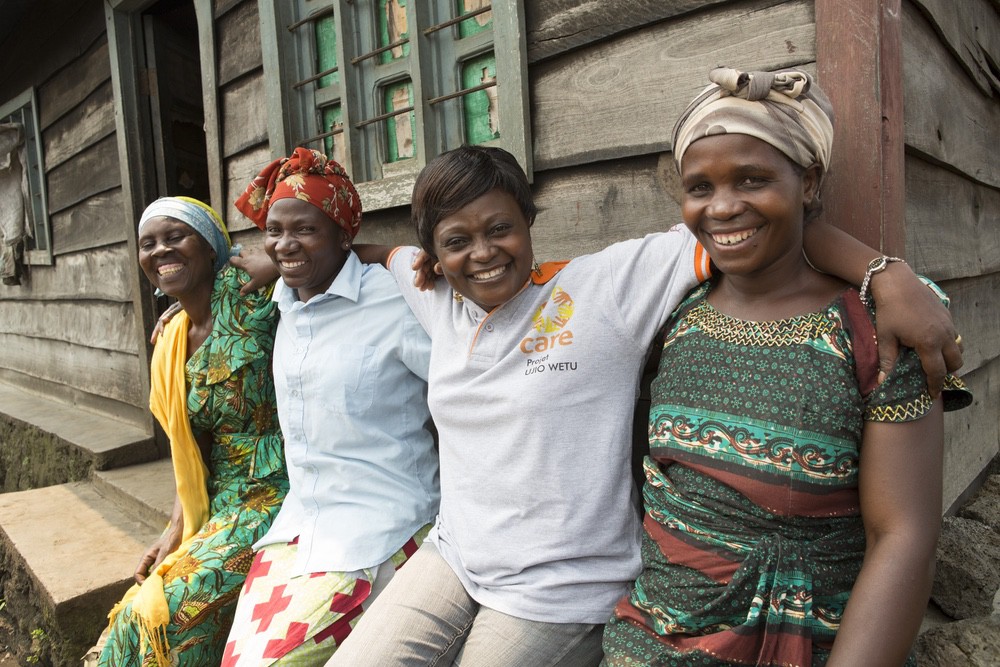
x,y
416,347
424,304
650,276
903,396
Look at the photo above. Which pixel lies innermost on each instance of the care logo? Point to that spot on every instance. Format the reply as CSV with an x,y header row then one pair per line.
x,y
545,321
549,321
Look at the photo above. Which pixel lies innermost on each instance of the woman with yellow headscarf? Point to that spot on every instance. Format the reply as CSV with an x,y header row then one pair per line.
x,y
213,394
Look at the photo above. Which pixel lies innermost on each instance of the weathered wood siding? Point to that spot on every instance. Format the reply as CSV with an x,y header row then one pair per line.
x,y
607,78
242,108
952,129
68,330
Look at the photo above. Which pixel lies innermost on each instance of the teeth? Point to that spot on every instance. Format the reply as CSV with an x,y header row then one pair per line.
x,y
492,273
733,239
169,270
291,265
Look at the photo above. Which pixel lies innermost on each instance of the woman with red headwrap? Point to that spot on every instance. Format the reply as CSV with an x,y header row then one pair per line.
x,y
350,368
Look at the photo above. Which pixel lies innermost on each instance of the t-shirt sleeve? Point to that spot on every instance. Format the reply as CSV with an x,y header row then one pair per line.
x,y
415,351
423,303
649,277
903,396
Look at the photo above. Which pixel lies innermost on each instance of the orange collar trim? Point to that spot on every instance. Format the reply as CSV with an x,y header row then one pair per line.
x,y
546,272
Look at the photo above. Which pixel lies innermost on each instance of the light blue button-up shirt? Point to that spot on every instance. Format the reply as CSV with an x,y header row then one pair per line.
x,y
350,373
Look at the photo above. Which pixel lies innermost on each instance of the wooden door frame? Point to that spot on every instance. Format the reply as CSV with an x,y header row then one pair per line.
x,y
135,155
136,162
859,54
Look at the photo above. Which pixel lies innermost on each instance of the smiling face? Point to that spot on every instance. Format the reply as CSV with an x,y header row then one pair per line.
x,y
175,258
744,201
485,249
306,245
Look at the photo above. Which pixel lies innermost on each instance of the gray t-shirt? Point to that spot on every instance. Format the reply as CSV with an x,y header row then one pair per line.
x,y
533,403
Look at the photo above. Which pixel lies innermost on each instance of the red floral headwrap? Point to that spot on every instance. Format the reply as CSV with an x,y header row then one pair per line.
x,y
307,175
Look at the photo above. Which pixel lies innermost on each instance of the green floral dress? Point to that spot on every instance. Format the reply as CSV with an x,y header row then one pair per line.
x,y
231,396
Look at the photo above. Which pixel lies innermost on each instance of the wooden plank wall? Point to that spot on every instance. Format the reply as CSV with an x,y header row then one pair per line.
x,y
242,108
598,172
952,128
69,330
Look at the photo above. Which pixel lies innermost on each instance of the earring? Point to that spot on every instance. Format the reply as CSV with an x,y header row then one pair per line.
x,y
534,267
457,297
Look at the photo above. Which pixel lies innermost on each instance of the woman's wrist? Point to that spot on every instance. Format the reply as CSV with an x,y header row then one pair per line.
x,y
877,267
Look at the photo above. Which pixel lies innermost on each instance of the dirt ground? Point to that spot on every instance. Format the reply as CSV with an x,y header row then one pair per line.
x,y
6,657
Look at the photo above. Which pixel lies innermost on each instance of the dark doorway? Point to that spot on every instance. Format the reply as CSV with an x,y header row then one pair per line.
x,y
177,113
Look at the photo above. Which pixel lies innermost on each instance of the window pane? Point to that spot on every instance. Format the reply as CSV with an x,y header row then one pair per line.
x,y
392,27
400,130
326,50
482,120
476,24
334,145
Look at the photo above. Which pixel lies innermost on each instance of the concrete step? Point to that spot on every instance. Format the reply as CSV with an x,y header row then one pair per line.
x,y
67,553
145,490
48,442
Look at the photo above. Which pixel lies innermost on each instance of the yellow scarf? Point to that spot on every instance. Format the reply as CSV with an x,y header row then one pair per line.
x,y
168,403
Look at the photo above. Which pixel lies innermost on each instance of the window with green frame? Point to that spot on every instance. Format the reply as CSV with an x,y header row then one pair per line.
x,y
22,113
383,86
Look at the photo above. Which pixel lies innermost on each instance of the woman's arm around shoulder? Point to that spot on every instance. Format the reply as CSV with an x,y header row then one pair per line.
x,y
909,314
259,267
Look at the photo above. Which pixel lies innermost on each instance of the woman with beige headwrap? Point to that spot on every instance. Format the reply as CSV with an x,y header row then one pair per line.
x,y
793,492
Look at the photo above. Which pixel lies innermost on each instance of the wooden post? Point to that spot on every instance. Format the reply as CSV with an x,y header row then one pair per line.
x,y
860,66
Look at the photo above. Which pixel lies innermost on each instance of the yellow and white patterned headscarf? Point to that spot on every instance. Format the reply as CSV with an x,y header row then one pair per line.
x,y
787,109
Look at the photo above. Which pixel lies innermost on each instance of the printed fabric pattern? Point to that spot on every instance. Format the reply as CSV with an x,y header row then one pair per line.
x,y
231,396
752,533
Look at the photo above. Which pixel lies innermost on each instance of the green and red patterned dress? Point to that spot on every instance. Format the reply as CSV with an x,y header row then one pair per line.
x,y
752,533
231,396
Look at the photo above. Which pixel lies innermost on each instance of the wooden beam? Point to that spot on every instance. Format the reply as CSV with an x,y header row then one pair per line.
x,y
859,64
132,130
210,102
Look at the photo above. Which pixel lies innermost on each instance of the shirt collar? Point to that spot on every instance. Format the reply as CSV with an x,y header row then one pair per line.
x,y
347,284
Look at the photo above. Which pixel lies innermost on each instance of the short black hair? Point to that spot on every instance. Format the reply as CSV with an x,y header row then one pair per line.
x,y
460,176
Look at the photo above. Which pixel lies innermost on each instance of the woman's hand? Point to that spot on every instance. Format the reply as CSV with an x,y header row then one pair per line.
x,y
163,320
909,313
262,270
154,555
427,271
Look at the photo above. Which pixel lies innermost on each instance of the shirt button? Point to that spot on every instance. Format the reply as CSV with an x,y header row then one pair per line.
x,y
489,326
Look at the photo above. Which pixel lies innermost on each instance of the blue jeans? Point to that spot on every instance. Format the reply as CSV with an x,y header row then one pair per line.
x,y
424,617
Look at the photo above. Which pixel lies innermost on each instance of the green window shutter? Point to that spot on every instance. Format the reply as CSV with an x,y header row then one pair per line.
x,y
476,24
481,111
393,26
326,51
401,134
333,144
413,78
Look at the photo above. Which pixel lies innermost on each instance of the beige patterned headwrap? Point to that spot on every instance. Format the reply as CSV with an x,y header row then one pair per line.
x,y
786,109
